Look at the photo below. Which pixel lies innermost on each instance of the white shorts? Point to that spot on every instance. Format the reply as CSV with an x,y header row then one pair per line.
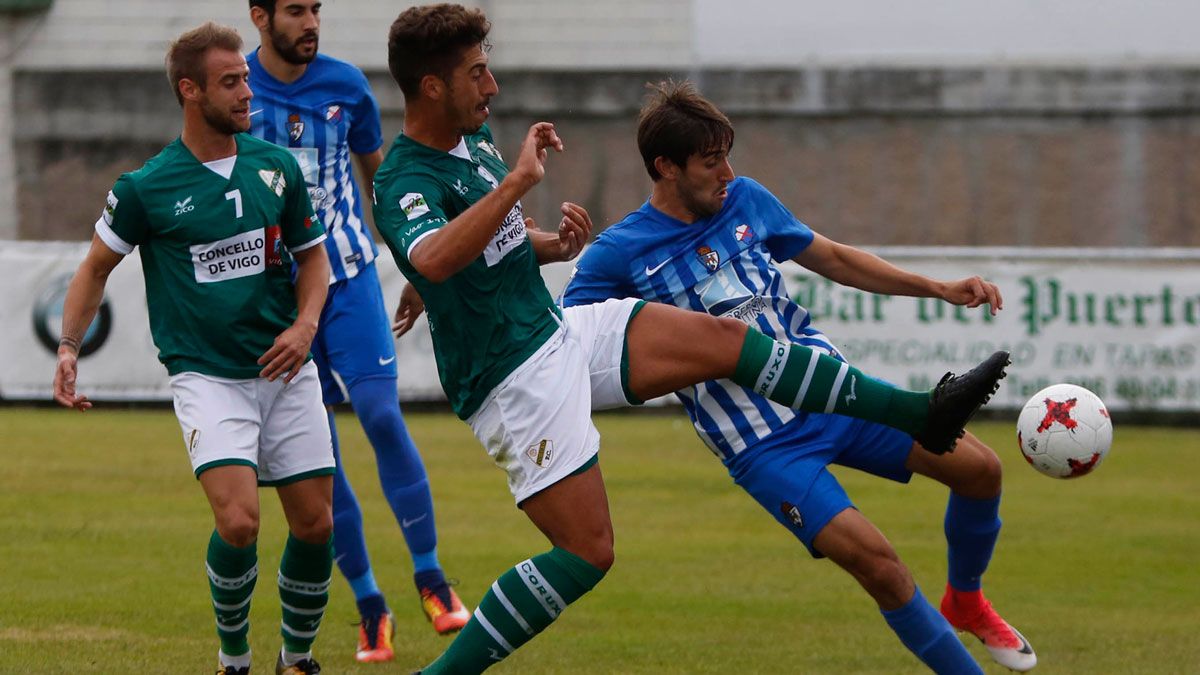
x,y
537,424
280,430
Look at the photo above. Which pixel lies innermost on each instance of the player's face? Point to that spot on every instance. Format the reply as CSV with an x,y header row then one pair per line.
x,y
703,183
225,100
470,90
294,30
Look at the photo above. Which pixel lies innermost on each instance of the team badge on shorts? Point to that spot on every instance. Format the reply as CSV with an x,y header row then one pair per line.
x,y
541,453
191,442
710,258
792,513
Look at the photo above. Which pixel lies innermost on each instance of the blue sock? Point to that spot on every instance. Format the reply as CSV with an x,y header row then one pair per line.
x,y
401,471
364,586
927,634
972,526
349,547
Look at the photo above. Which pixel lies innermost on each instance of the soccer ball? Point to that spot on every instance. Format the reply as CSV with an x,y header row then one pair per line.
x,y
1064,431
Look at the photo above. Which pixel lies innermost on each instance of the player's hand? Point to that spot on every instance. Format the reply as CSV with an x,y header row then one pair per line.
x,y
64,382
411,306
288,353
573,231
531,162
973,292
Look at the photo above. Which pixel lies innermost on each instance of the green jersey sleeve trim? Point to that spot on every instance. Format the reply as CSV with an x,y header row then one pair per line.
x,y
124,218
111,239
307,245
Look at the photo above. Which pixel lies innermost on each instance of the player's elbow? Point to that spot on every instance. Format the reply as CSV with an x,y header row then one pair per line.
x,y
434,266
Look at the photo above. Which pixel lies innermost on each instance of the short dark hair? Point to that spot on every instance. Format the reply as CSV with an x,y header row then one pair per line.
x,y
268,5
185,56
677,122
430,39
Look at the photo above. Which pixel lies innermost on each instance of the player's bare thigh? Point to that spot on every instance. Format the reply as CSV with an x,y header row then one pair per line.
x,y
672,348
972,470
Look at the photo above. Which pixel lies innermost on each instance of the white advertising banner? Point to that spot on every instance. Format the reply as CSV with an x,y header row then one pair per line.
x,y
1125,324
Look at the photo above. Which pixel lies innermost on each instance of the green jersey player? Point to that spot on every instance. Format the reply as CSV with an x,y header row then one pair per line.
x,y
526,375
218,217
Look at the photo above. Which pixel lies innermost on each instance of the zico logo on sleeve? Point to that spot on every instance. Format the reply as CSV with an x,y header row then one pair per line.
x,y
241,255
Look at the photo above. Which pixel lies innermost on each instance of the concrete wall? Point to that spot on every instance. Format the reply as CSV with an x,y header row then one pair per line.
x,y
956,156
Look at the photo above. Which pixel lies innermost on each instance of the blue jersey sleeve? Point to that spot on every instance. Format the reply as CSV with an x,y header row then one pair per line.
x,y
600,274
787,237
365,135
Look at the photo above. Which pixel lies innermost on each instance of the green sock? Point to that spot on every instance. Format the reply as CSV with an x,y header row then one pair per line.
x,y
521,603
304,576
804,379
232,572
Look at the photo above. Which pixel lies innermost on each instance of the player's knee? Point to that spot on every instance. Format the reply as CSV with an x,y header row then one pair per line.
x,y
983,479
596,549
315,527
886,579
238,527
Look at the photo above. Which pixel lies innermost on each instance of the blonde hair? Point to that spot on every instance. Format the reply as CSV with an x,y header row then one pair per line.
x,y
185,56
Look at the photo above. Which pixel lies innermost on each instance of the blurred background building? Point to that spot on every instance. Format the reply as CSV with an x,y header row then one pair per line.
x,y
948,122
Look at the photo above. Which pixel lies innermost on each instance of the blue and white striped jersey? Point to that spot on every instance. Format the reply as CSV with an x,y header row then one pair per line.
x,y
722,265
321,118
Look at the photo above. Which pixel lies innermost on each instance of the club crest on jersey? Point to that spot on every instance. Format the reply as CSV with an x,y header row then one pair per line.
x,y
710,258
274,180
743,232
295,127
333,114
489,149
541,453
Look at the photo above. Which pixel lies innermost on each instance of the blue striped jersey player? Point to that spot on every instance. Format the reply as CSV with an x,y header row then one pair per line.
x,y
321,109
709,242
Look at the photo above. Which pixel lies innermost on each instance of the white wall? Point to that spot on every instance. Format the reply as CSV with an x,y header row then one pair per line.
x,y
607,34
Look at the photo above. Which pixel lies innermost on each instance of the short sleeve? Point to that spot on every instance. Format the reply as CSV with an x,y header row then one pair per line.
x,y
365,134
301,227
123,223
412,209
600,274
786,235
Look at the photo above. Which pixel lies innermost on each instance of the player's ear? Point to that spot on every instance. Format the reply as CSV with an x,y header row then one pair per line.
x,y
432,87
189,89
666,168
260,18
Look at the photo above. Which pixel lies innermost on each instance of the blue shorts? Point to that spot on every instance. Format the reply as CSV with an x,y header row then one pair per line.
x,y
787,472
354,340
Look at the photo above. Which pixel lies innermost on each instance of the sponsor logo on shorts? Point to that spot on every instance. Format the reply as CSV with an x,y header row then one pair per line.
x,y
541,453
792,513
241,255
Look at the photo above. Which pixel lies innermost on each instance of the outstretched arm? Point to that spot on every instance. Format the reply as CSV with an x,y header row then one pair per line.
x,y
855,267
79,308
453,247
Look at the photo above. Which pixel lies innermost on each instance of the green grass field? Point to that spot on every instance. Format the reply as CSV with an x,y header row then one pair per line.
x,y
103,532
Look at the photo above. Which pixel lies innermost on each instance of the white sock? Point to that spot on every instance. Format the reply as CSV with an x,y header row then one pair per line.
x,y
239,661
292,658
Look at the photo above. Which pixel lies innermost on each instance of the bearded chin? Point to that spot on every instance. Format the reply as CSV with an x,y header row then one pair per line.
x,y
222,122
289,52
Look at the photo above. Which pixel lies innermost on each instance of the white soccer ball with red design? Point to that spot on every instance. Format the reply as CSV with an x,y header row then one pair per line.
x,y
1064,431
